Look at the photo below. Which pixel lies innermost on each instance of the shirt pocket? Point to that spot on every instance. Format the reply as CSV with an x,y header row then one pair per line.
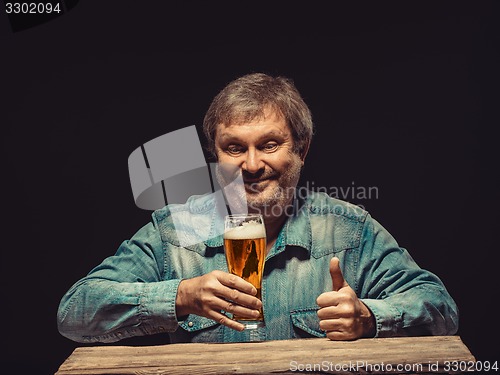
x,y
198,329
306,323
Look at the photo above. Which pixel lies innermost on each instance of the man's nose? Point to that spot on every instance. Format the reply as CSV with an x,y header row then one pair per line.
x,y
253,162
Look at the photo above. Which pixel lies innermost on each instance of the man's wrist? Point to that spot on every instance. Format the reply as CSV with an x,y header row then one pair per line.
x,y
368,322
180,308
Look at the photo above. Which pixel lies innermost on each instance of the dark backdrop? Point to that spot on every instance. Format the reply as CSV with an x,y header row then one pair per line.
x,y
403,95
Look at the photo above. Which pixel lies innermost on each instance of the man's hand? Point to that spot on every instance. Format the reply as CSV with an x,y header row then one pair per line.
x,y
207,295
342,315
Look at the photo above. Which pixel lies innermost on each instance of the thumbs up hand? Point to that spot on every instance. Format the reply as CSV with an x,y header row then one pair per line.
x,y
342,315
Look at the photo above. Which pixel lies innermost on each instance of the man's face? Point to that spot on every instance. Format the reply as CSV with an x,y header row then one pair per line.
x,y
262,151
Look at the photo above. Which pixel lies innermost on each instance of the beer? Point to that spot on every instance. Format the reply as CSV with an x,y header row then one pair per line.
x,y
245,247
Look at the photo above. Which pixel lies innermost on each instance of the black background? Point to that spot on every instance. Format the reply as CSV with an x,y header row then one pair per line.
x,y
404,97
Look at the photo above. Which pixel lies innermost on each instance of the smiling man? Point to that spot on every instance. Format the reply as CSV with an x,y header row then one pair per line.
x,y
331,269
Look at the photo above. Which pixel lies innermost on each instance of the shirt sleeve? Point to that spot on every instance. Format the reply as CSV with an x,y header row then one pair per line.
x,y
122,297
405,299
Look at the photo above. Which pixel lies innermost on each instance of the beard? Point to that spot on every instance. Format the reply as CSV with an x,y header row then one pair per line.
x,y
267,192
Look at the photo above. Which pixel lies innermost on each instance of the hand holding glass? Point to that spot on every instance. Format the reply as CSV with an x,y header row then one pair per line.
x,y
245,249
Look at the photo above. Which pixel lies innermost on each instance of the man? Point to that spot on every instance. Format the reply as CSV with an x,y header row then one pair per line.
x,y
331,269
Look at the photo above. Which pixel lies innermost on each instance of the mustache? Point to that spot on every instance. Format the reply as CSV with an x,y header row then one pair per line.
x,y
259,175
227,173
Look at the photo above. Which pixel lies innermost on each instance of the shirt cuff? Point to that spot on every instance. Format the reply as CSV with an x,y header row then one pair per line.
x,y
388,319
158,305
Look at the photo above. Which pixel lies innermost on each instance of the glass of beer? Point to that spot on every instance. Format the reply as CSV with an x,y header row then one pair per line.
x,y
245,248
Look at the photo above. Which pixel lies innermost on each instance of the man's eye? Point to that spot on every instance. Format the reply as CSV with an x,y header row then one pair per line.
x,y
233,149
270,147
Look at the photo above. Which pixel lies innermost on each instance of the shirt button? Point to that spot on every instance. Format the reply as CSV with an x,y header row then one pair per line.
x,y
190,324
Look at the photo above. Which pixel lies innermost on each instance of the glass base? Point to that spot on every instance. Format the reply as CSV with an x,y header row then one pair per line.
x,y
250,324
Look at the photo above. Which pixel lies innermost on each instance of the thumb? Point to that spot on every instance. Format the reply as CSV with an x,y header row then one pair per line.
x,y
338,281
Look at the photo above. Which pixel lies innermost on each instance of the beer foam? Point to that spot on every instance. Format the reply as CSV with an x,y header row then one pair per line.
x,y
246,231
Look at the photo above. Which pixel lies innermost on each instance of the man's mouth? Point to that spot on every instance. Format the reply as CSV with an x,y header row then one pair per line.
x,y
254,180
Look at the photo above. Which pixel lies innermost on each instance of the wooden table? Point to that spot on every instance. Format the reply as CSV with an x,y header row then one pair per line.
x,y
389,355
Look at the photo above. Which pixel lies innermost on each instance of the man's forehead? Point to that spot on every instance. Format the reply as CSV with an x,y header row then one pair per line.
x,y
269,120
265,113
256,127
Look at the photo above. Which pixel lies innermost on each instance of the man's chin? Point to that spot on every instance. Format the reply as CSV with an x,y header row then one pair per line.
x,y
257,187
253,201
262,204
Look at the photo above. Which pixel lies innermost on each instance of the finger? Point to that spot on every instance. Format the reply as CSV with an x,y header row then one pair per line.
x,y
238,297
338,281
341,310
340,336
225,320
330,312
241,311
339,329
329,299
235,282
338,324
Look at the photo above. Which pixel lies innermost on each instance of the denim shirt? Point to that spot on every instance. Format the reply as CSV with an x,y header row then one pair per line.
x,y
133,293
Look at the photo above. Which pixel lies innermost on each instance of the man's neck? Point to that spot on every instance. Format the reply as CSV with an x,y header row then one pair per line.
x,y
273,227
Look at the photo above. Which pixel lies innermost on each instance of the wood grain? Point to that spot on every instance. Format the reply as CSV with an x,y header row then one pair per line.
x,y
272,357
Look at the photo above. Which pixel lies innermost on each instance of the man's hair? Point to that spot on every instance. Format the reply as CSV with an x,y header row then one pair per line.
x,y
246,99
